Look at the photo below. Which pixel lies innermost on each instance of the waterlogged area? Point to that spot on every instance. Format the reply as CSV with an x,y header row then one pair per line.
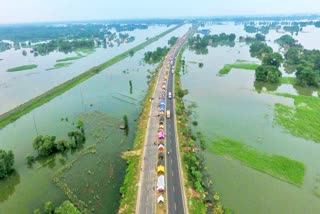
x,y
92,174
19,87
236,107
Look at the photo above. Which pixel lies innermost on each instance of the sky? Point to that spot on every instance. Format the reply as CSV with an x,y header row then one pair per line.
x,y
21,11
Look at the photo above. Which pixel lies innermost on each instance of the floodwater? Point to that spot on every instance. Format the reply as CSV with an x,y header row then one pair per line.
x,y
19,87
231,106
101,102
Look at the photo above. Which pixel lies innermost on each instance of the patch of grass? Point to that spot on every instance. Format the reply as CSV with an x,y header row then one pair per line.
x,y
21,68
277,166
25,108
69,58
302,120
60,65
240,65
288,80
198,207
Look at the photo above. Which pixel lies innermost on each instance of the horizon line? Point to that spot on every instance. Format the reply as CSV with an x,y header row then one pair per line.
x,y
168,18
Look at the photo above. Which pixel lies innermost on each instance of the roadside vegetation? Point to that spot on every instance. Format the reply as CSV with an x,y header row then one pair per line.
x,y
21,110
277,166
238,64
152,57
172,41
22,68
198,184
302,119
129,189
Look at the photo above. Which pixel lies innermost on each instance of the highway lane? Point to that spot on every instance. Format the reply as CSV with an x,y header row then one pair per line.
x,y
174,190
175,193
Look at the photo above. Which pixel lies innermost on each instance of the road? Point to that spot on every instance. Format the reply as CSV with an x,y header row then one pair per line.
x,y
175,194
146,203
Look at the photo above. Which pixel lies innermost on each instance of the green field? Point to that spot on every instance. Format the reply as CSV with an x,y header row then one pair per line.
x,y
240,64
69,59
60,65
288,80
277,166
302,119
22,68
25,108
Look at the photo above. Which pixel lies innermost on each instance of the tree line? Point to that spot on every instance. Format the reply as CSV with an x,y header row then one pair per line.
x,y
199,44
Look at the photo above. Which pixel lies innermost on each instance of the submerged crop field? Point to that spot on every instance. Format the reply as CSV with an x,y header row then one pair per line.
x,y
275,165
22,68
302,119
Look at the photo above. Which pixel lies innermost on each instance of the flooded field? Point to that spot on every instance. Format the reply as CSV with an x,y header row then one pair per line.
x,y
94,173
231,106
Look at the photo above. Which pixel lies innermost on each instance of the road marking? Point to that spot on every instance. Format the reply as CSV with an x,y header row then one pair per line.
x,y
172,173
175,206
173,189
171,161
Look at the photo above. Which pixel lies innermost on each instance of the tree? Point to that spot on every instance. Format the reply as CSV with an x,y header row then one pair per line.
x,y
274,59
6,163
307,77
172,41
62,145
267,73
44,145
260,37
48,207
259,49
286,40
232,37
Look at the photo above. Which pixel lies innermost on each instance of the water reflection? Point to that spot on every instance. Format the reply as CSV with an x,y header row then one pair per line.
x,y
260,86
8,184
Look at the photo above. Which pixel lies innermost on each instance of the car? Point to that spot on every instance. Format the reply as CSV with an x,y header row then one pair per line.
x,y
169,95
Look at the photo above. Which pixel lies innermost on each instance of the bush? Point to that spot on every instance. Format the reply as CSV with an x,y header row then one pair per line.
x,y
6,163
48,207
30,159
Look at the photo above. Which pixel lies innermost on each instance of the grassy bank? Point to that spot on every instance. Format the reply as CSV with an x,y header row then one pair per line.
x,y
238,64
21,110
60,65
288,80
129,189
69,59
277,166
22,68
302,119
